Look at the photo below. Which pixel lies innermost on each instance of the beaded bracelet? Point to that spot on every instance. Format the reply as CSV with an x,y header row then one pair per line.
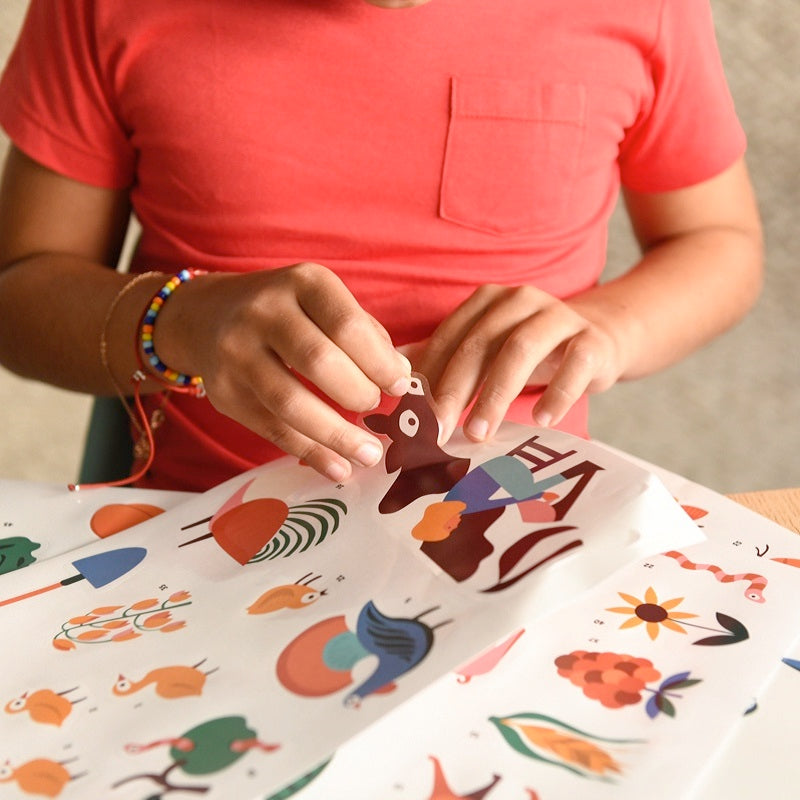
x,y
171,379
190,384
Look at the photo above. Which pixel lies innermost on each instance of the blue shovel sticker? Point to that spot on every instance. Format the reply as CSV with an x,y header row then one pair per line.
x,y
99,569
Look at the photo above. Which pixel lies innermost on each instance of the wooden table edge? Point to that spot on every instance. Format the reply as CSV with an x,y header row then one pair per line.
x,y
780,505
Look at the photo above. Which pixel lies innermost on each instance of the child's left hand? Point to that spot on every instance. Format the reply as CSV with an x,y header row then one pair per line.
x,y
504,338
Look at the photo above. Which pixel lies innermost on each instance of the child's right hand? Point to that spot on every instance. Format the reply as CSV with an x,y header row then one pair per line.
x,y
251,336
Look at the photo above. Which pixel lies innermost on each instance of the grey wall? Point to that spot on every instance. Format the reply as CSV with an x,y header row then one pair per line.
x,y
729,416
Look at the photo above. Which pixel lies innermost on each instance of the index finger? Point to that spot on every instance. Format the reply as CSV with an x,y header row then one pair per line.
x,y
333,309
523,350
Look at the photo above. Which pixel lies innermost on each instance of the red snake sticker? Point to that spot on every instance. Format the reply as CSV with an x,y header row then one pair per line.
x,y
754,590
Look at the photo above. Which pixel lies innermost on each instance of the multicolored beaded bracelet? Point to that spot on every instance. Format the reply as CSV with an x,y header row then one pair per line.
x,y
170,378
156,368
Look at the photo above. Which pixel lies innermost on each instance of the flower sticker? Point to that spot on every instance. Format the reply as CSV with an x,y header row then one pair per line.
x,y
655,615
121,624
651,613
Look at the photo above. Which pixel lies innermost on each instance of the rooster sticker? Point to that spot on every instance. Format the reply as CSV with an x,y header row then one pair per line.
x,y
265,528
320,660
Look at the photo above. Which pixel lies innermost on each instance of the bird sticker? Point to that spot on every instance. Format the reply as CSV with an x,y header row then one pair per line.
x,y
487,660
204,749
44,705
321,659
168,682
39,776
299,594
264,528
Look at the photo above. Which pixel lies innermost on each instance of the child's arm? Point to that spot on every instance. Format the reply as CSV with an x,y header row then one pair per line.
x,y
57,239
700,272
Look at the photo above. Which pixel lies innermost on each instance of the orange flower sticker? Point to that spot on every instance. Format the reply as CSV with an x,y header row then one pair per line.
x,y
157,620
651,613
144,604
121,624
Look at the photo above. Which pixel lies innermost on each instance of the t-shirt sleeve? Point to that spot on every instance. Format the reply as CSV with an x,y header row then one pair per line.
x,y
690,131
54,102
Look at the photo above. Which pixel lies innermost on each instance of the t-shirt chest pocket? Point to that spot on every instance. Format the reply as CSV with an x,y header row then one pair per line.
x,y
511,154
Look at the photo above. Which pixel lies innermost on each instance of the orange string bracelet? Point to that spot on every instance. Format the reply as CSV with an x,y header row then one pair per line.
x,y
104,346
170,379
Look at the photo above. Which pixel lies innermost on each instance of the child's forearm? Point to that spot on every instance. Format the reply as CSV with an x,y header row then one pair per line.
x,y
700,272
685,291
53,313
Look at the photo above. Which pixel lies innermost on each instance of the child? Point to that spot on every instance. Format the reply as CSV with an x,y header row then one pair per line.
x,y
360,184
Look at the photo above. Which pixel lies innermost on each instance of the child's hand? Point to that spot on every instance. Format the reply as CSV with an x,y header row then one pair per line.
x,y
503,339
252,336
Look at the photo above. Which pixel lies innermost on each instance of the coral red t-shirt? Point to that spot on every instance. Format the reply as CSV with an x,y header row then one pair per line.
x,y
419,153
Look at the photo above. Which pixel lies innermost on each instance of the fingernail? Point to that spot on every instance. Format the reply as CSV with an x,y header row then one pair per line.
x,y
446,428
477,429
368,455
542,418
337,472
406,362
400,386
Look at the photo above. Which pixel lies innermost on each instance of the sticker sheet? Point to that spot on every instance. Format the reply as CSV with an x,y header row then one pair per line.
x,y
43,520
668,679
759,755
529,618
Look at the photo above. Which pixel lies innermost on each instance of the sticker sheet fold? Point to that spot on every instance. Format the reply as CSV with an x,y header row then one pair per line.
x,y
231,644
